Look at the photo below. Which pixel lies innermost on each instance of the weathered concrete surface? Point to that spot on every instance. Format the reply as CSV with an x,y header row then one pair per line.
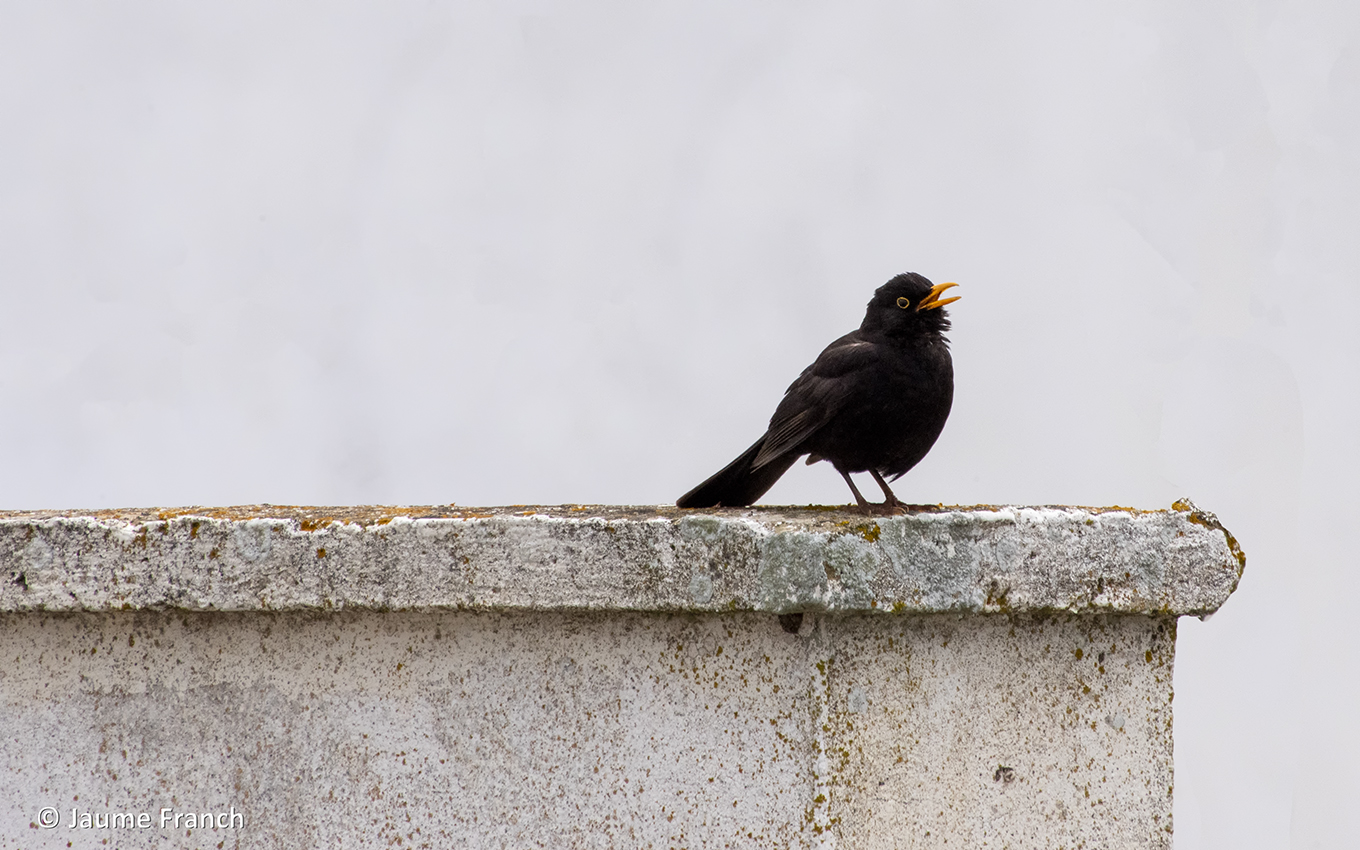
x,y
542,729
1002,560
1000,732
596,677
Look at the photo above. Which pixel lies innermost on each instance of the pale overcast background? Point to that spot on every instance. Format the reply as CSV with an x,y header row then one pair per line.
x,y
537,252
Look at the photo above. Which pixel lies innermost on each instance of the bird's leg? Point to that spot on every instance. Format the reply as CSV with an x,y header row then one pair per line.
x,y
860,500
889,500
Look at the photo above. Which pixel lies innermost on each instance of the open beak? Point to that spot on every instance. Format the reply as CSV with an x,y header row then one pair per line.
x,y
933,300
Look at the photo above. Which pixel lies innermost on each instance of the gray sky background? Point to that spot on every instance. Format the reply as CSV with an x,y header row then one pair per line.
x,y
537,252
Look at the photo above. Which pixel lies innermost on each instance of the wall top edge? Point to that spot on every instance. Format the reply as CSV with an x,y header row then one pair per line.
x,y
980,559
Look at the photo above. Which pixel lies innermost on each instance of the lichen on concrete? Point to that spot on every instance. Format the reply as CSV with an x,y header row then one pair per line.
x,y
984,559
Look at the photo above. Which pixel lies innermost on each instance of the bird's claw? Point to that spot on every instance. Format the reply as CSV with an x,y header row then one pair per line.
x,y
884,509
892,508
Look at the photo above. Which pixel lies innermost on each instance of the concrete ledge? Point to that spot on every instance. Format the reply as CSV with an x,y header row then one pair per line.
x,y
265,558
596,677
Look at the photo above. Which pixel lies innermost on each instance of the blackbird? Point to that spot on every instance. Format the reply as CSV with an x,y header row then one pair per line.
x,y
874,401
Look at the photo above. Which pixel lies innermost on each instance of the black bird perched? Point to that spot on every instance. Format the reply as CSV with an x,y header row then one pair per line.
x,y
874,401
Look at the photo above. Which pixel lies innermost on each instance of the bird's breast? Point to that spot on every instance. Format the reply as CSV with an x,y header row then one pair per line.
x,y
893,423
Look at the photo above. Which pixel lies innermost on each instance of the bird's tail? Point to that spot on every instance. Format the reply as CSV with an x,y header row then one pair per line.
x,y
737,484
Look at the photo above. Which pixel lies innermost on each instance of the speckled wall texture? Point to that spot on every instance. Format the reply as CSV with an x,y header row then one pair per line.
x,y
588,730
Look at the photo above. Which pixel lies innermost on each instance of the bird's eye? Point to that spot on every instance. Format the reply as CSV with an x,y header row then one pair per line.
x,y
903,303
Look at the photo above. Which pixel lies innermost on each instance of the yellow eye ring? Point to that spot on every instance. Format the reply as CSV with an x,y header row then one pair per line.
x,y
904,303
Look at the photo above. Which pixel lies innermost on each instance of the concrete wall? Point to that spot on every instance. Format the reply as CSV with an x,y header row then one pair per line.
x,y
597,677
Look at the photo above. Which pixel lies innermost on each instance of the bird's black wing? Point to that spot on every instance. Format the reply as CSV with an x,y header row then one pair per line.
x,y
836,376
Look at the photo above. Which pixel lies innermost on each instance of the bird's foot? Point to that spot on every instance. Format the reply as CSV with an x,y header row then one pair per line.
x,y
875,509
891,504
894,508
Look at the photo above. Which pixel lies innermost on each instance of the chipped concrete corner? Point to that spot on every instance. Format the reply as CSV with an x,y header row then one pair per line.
x,y
596,676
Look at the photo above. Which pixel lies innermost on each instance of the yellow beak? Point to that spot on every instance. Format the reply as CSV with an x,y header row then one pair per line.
x,y
933,300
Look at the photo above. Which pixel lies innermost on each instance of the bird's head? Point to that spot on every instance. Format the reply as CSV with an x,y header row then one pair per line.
x,y
908,305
